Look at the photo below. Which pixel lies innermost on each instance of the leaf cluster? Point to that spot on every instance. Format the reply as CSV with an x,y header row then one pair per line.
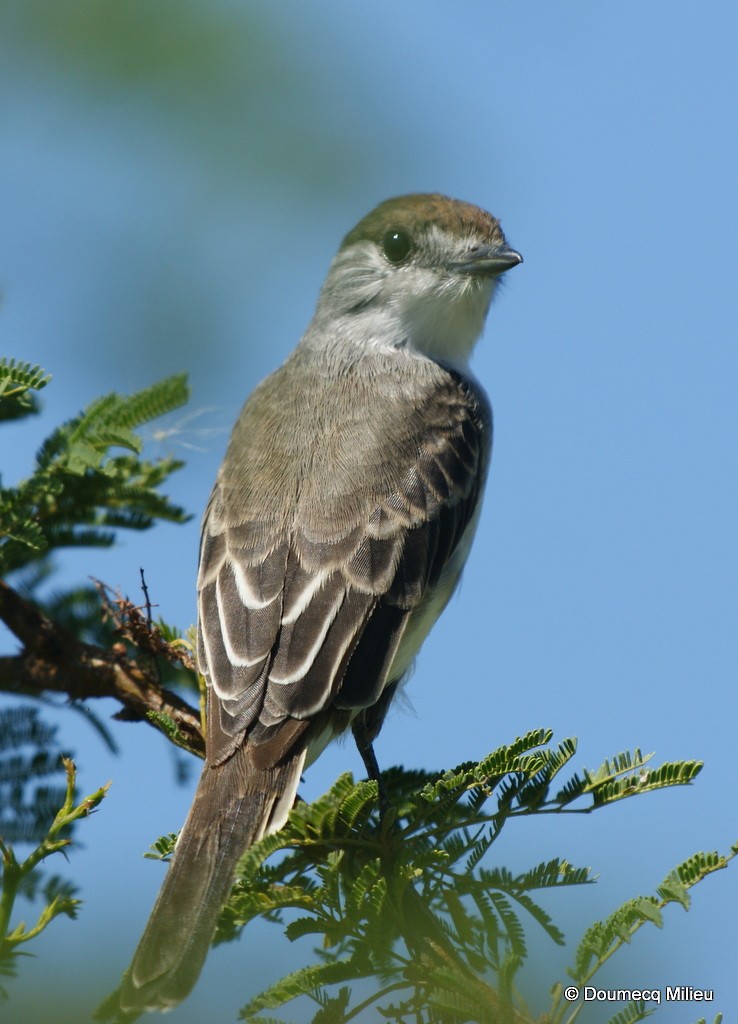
x,y
88,480
80,492
403,904
22,877
604,938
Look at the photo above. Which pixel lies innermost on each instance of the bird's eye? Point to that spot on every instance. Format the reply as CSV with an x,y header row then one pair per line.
x,y
396,245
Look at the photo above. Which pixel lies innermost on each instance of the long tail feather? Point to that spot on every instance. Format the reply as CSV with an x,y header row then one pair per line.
x,y
234,806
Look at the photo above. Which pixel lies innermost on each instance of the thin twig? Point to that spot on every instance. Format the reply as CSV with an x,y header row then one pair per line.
x,y
147,599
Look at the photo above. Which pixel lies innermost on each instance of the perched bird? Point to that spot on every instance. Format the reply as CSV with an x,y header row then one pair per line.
x,y
335,534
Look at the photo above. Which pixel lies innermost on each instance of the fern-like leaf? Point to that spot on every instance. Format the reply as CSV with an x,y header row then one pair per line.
x,y
84,487
306,981
17,379
632,1013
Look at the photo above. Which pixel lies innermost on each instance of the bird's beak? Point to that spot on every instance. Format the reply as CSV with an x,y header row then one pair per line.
x,y
488,260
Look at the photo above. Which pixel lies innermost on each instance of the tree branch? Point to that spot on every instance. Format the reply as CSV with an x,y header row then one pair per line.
x,y
52,659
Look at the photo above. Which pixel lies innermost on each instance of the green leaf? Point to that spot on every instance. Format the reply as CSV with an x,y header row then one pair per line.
x,y
18,876
16,375
307,980
16,380
89,480
406,904
631,1013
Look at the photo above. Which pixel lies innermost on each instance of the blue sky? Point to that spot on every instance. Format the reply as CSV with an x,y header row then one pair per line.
x,y
161,217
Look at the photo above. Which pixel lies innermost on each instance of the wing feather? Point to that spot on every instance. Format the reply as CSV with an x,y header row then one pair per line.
x,y
301,640
248,639
309,584
328,548
259,585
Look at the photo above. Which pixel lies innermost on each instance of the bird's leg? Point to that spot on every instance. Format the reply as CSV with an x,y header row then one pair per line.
x,y
365,748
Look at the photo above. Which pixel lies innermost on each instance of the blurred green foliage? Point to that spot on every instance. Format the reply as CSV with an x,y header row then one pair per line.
x,y
239,90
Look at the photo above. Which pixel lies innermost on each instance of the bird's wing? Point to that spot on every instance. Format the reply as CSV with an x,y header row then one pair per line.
x,y
308,581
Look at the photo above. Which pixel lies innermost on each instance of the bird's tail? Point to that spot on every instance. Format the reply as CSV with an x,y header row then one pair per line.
x,y
234,806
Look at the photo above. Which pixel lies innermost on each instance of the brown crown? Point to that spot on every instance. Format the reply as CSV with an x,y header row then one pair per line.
x,y
415,213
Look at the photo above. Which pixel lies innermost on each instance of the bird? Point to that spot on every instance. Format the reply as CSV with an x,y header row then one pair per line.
x,y
336,532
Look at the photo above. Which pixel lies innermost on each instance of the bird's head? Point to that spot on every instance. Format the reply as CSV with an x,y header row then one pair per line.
x,y
418,272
